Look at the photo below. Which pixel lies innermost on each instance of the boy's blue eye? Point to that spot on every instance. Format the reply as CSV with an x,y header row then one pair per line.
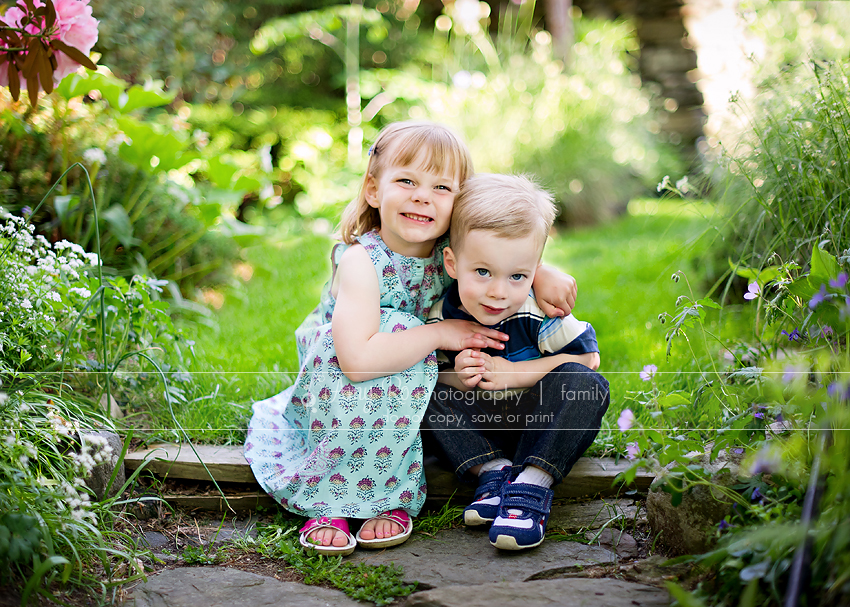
x,y
482,272
445,187
517,276
405,180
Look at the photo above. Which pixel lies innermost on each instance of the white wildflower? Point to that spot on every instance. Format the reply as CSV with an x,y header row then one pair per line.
x,y
81,291
54,296
664,183
94,156
682,185
26,304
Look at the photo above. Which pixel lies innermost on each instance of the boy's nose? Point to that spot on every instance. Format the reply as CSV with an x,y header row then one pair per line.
x,y
496,290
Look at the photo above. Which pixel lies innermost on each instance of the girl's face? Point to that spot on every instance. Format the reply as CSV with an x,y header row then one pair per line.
x,y
415,206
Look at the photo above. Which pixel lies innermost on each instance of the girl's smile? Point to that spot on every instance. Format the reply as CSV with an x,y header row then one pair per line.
x,y
415,205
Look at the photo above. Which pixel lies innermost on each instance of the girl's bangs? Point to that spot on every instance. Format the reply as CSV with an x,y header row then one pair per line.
x,y
442,153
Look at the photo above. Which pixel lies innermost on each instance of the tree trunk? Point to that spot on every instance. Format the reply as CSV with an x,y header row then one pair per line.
x,y
560,25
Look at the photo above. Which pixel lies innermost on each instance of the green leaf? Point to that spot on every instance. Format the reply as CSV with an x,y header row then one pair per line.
x,y
803,288
824,268
674,399
243,234
709,303
146,96
119,224
220,171
151,150
64,204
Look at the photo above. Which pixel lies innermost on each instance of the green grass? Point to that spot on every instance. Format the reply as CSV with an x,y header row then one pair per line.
x,y
623,271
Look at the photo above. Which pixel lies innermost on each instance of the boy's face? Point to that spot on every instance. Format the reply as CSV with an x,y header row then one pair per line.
x,y
494,274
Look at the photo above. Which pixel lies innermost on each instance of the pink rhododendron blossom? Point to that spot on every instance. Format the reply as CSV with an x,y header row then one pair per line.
x,y
626,419
75,26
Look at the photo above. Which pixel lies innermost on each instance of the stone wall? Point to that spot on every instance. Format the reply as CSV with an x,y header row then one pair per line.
x,y
668,61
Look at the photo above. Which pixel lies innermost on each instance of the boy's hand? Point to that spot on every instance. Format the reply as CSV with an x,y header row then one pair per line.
x,y
463,334
555,291
500,374
469,365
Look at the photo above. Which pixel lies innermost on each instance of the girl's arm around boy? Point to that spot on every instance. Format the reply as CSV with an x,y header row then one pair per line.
x,y
364,352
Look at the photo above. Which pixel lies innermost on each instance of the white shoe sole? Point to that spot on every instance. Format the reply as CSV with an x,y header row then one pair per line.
x,y
473,519
508,542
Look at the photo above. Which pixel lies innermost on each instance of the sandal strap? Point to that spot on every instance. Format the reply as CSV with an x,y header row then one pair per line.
x,y
397,516
340,524
527,497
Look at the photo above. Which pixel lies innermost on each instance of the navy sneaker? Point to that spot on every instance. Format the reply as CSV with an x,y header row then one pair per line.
x,y
487,497
527,528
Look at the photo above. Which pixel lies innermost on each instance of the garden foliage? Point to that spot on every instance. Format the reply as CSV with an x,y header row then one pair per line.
x,y
791,187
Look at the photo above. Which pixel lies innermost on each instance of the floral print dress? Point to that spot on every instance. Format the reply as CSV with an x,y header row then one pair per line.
x,y
327,446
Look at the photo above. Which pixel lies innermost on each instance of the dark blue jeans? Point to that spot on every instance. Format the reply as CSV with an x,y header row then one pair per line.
x,y
549,425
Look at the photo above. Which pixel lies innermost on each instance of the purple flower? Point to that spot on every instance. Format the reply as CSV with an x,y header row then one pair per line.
x,y
756,495
792,372
840,282
839,390
737,450
723,525
753,291
626,419
793,335
819,297
632,451
26,211
827,332
766,462
648,372
758,415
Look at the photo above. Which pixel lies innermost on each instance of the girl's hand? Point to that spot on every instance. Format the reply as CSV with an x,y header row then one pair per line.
x,y
555,291
463,334
469,366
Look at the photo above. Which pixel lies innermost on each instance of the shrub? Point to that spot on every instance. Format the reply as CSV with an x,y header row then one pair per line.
x,y
792,174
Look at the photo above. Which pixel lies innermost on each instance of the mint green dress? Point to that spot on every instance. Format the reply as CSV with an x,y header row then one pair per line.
x,y
327,446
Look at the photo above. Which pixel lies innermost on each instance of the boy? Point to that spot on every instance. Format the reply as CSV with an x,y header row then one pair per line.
x,y
527,412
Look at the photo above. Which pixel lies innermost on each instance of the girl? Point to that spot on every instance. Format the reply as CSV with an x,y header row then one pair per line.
x,y
343,441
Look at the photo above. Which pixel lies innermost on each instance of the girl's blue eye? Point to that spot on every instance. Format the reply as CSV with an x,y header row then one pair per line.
x,y
482,272
445,187
517,276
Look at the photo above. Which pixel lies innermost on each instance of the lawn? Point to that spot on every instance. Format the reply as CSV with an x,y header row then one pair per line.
x,y
623,270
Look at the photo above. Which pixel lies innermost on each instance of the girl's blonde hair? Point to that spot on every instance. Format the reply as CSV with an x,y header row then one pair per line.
x,y
401,143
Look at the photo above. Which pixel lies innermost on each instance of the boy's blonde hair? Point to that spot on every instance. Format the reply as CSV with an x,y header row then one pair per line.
x,y
512,206
400,143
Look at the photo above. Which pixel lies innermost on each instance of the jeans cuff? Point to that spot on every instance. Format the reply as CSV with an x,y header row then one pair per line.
x,y
474,461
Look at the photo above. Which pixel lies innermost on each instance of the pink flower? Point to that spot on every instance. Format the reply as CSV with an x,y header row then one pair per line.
x,y
75,27
627,418
648,372
632,451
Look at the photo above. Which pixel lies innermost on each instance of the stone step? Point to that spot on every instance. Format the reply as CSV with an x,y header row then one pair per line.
x,y
590,476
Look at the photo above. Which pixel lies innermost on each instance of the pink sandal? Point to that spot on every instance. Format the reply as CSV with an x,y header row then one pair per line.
x,y
340,524
397,516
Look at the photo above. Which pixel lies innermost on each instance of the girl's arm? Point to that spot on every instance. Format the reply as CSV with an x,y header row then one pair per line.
x,y
555,291
364,352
